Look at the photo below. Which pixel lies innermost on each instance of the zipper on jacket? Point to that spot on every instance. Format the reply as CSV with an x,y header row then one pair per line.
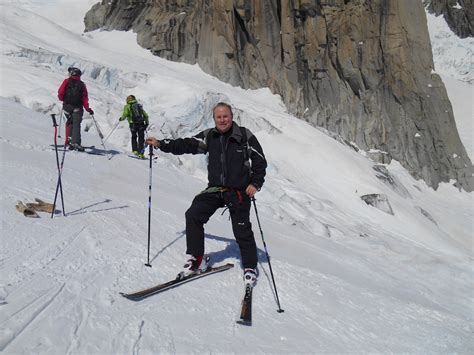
x,y
221,139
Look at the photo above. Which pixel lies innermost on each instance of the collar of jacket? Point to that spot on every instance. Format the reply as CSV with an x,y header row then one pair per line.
x,y
236,132
75,77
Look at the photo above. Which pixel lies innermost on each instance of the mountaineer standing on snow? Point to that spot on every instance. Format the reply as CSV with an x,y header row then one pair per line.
x,y
73,94
236,171
138,121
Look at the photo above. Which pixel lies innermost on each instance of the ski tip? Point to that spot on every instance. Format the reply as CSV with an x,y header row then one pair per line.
x,y
244,322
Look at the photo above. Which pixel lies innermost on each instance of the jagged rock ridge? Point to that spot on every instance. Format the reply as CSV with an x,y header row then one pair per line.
x,y
459,15
362,69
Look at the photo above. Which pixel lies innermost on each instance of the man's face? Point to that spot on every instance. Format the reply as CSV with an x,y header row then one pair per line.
x,y
222,118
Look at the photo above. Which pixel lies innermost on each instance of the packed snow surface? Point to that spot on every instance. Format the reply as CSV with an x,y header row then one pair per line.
x,y
350,277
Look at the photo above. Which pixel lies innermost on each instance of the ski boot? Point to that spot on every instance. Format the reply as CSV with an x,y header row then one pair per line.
x,y
75,146
193,265
250,277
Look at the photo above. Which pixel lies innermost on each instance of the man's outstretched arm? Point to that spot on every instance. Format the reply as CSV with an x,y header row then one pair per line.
x,y
193,145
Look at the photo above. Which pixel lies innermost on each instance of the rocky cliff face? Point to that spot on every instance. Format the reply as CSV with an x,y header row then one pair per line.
x,y
459,14
359,68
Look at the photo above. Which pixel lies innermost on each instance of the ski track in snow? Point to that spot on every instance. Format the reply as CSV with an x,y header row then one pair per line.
x,y
80,325
350,277
21,322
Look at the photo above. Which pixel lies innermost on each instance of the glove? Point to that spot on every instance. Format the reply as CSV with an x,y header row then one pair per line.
x,y
91,111
121,119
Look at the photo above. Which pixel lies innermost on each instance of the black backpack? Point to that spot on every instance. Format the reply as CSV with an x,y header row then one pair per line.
x,y
137,113
73,93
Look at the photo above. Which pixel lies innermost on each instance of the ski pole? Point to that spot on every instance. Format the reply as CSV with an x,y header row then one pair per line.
x,y
101,136
55,125
146,131
279,310
60,121
97,128
59,185
150,152
112,131
150,126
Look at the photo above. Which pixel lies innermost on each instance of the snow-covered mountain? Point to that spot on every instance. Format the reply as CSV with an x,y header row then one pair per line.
x,y
452,55
453,59
350,277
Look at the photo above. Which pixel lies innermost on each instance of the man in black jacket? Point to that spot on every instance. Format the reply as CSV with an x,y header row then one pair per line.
x,y
236,171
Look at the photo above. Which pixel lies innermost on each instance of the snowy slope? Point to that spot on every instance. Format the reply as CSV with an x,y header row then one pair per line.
x,y
351,278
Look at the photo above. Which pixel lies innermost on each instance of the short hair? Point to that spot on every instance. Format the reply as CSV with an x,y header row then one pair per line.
x,y
223,104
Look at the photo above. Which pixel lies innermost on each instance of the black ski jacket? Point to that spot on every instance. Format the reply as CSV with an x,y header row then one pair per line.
x,y
228,164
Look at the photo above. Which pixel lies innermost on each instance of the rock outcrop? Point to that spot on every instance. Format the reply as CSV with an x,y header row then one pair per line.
x,y
459,15
362,69
378,201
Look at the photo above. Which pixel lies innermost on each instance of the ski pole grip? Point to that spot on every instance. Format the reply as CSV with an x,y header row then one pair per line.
x,y
150,151
53,117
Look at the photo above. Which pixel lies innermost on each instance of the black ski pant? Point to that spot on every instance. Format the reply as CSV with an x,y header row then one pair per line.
x,y
73,126
138,137
203,207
